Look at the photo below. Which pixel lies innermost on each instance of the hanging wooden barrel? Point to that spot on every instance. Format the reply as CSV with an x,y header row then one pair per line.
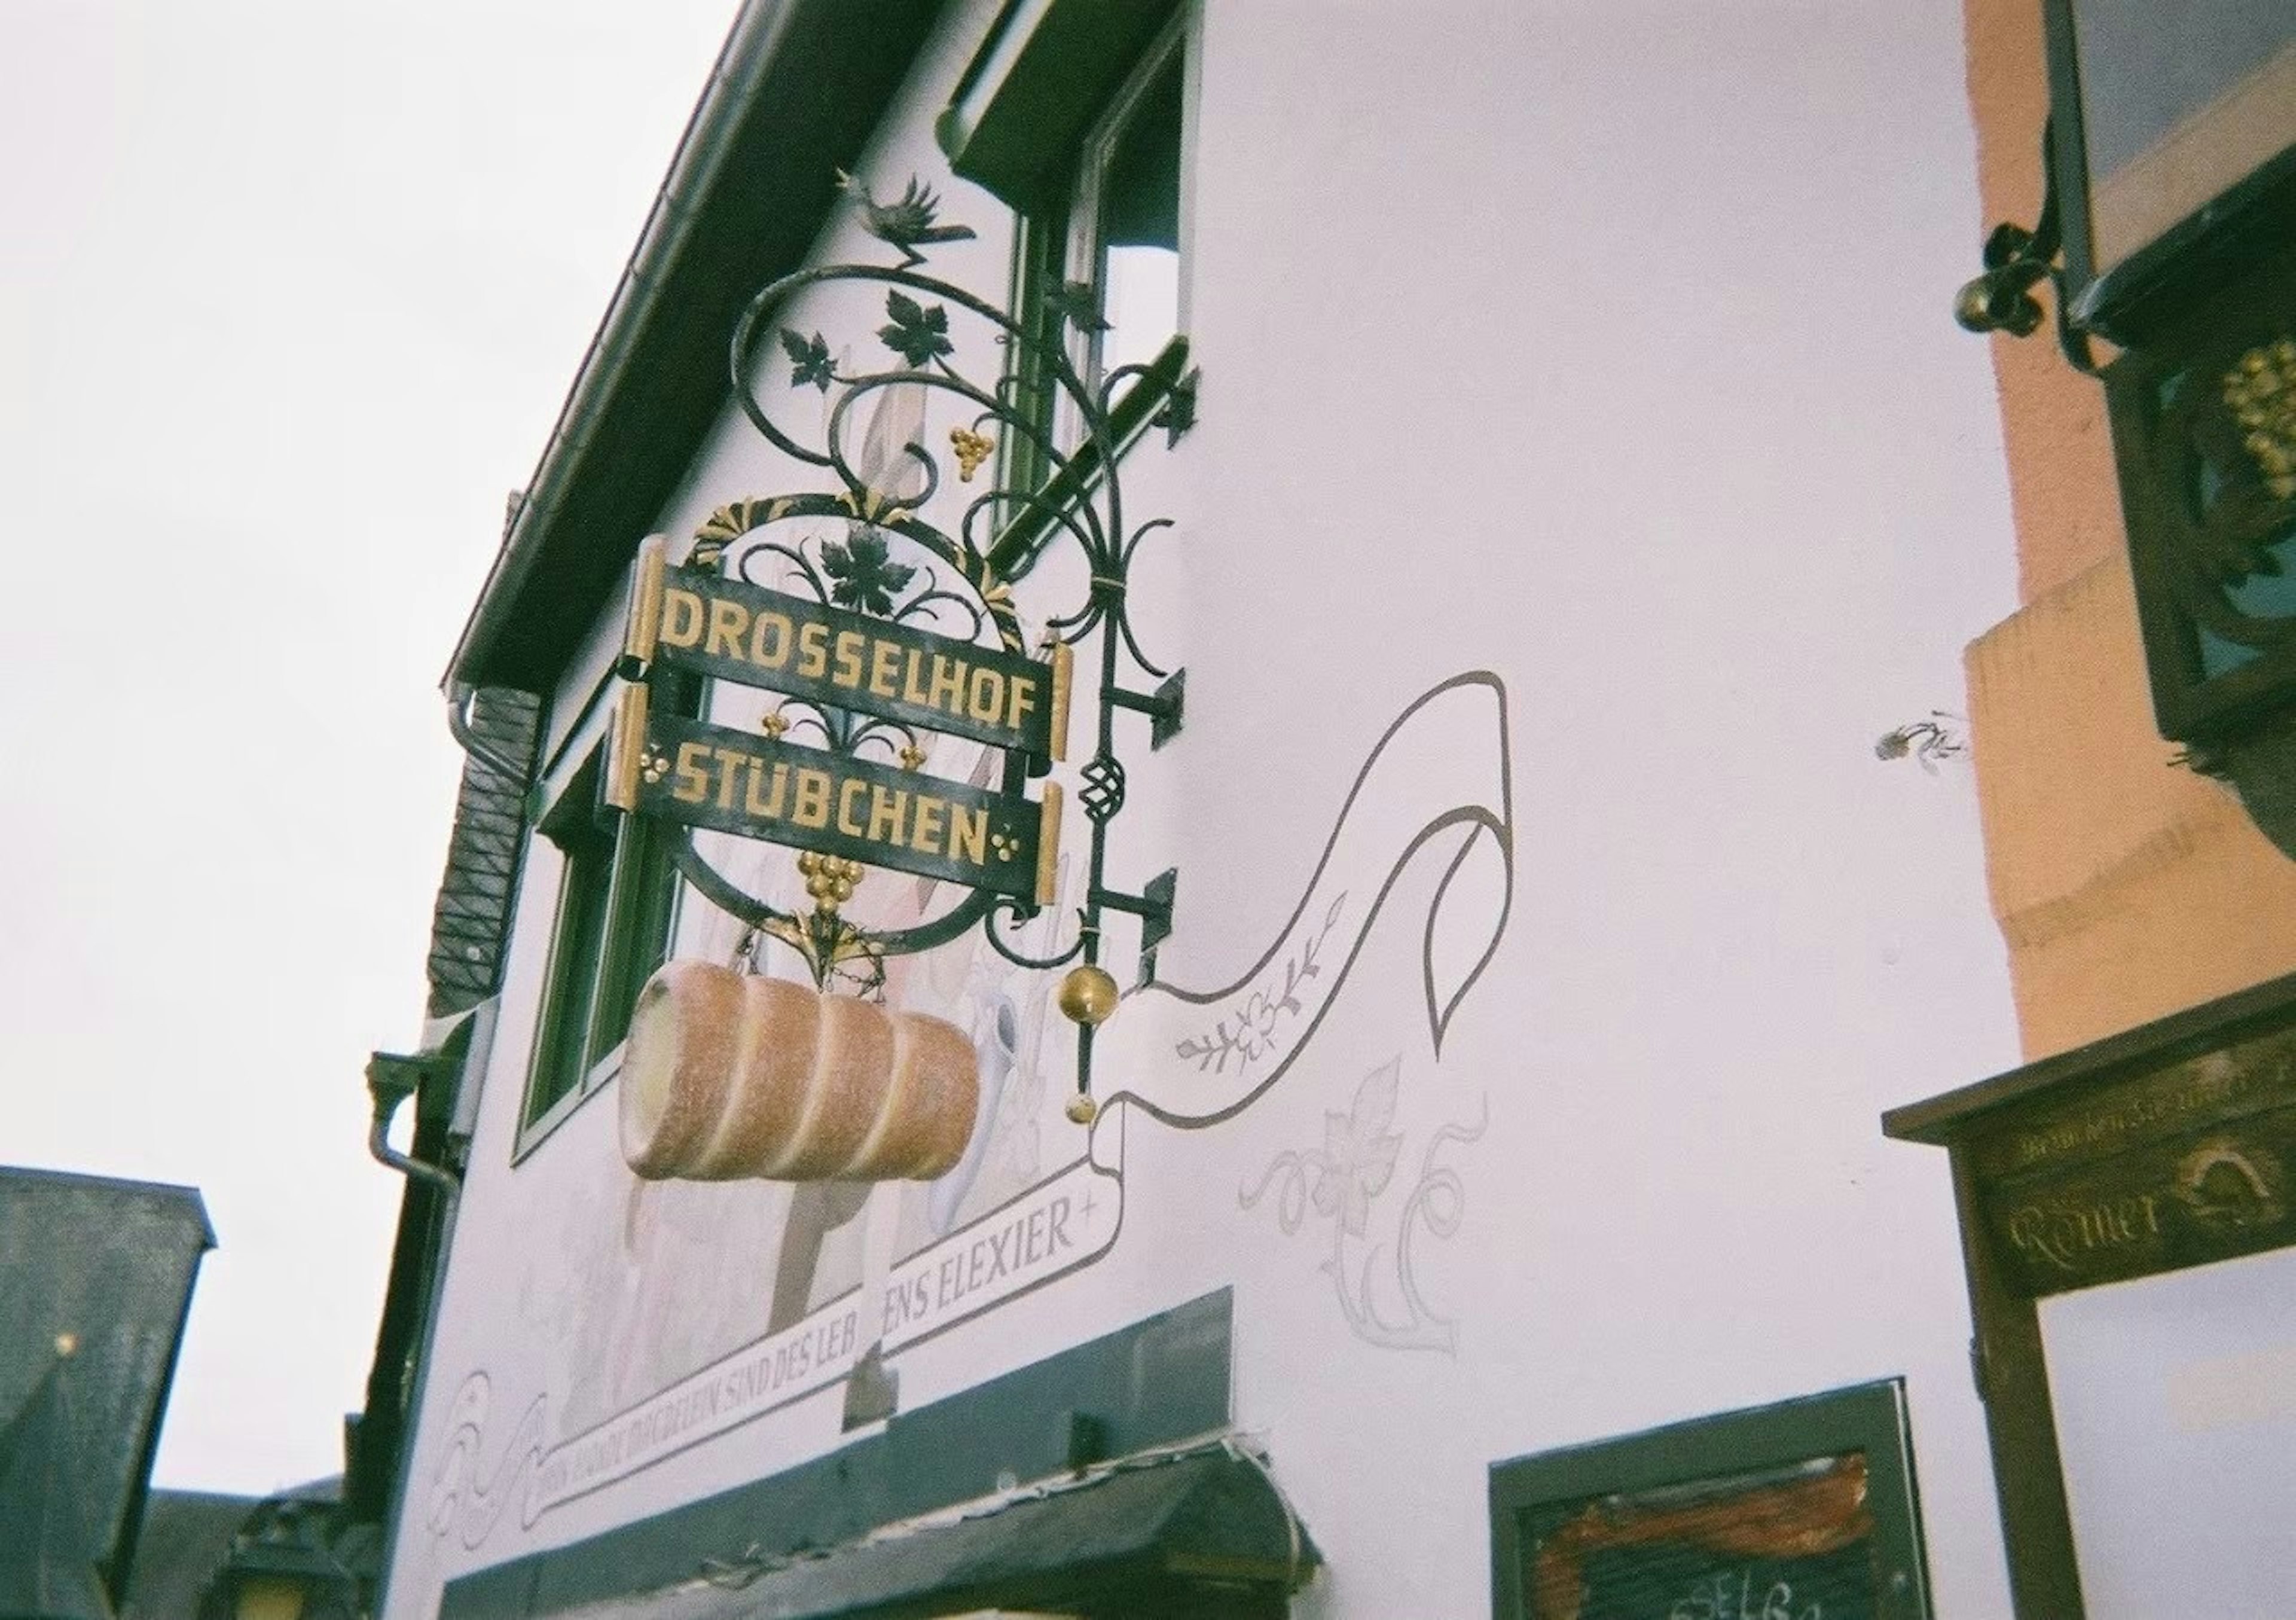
x,y
732,1074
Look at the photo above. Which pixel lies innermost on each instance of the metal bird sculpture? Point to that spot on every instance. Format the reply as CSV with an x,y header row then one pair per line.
x,y
906,223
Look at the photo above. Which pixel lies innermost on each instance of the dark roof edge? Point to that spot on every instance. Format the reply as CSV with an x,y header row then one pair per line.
x,y
634,322
748,44
2178,1037
172,1191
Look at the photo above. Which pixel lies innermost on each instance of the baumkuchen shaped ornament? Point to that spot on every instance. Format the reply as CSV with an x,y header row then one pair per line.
x,y
730,1075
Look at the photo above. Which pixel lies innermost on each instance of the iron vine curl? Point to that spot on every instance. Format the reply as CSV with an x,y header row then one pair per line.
x,y
1046,486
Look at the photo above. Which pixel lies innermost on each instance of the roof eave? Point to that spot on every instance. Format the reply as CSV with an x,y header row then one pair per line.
x,y
798,90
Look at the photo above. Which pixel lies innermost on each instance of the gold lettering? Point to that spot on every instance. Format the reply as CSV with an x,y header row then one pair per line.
x,y
947,692
848,670
849,820
2060,1235
889,812
884,668
985,696
812,650
812,798
1024,701
925,832
728,622
681,616
770,806
730,760
968,834
769,650
690,784
911,691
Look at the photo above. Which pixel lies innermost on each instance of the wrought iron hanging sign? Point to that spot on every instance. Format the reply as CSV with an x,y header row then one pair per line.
x,y
829,801
885,645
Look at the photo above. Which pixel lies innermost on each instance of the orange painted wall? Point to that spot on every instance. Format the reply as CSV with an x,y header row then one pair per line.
x,y
2126,886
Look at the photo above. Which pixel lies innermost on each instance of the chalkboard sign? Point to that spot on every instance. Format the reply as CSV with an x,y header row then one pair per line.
x,y
1800,1511
1793,1543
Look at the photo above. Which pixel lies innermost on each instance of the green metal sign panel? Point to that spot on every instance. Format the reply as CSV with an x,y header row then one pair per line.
x,y
731,781
737,631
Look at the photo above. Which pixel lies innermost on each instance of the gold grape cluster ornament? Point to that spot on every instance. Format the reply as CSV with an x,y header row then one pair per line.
x,y
972,448
2260,392
829,879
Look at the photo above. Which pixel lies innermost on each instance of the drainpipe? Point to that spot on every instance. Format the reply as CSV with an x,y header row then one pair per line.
x,y
391,1079
462,697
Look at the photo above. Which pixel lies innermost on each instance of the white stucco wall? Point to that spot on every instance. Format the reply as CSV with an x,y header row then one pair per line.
x,y
1603,348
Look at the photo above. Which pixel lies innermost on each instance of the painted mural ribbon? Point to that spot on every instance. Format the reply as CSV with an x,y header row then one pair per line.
x,y
1438,784
1067,1221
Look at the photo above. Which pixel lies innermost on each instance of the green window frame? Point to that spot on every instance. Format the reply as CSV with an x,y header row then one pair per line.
x,y
615,918
1078,114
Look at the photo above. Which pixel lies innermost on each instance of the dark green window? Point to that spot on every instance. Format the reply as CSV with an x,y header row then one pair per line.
x,y
617,890
1081,126
1123,226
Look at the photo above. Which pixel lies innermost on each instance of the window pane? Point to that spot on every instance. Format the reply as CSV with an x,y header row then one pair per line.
x,y
1142,308
561,1047
2179,101
635,925
1139,226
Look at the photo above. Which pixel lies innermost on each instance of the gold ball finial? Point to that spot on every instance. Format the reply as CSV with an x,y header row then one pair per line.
x,y
1087,995
1082,1110
67,1344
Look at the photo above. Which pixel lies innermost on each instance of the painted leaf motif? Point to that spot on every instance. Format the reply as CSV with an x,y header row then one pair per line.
x,y
862,573
809,360
917,333
1360,1151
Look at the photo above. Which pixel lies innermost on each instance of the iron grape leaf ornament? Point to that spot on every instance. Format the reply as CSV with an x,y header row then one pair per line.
x,y
864,576
809,360
918,334
1076,302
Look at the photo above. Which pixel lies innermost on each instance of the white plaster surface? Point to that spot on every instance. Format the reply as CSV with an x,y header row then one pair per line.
x,y
1604,348
2175,1415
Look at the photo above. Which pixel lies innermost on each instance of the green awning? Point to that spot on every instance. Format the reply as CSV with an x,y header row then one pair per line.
x,y
1206,1534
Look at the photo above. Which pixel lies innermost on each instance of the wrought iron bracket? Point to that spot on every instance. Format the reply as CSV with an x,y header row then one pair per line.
x,y
1179,411
1164,707
2016,261
1153,906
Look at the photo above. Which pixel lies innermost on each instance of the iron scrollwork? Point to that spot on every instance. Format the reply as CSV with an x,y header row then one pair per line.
x,y
2016,261
2222,449
864,547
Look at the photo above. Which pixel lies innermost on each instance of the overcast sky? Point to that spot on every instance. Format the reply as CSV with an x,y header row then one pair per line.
x,y
290,296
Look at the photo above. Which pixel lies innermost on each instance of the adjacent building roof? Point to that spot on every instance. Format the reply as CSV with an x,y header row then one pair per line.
x,y
186,1537
49,1551
95,1276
